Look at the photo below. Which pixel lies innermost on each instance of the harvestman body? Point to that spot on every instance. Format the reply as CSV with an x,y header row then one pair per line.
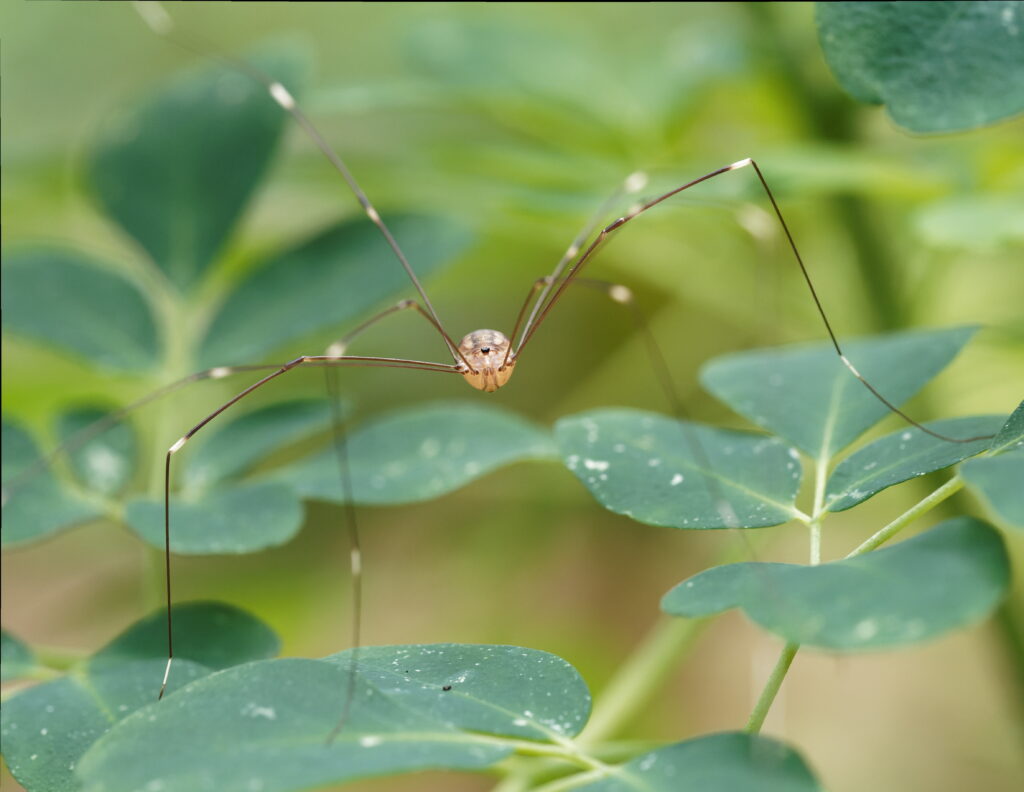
x,y
485,358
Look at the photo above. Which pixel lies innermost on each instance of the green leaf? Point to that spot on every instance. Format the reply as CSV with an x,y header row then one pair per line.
x,y
972,222
16,659
938,67
903,455
1011,435
949,577
47,728
66,300
266,724
34,504
103,463
231,449
804,393
422,453
729,762
343,273
177,171
684,475
213,634
241,518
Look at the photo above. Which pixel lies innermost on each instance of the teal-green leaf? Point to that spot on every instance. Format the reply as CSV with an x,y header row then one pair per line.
x,y
265,724
684,475
16,658
35,504
1011,435
103,463
728,762
904,454
239,518
66,300
231,449
937,67
177,171
804,394
47,728
337,276
213,634
422,453
946,578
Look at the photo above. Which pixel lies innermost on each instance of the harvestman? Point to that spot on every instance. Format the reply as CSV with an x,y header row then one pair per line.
x,y
485,358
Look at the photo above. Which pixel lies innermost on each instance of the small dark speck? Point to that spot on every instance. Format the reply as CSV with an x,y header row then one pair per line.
x,y
447,687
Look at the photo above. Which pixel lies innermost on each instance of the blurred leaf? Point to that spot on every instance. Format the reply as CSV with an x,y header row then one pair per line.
x,y
997,478
949,577
344,272
938,67
806,395
177,171
48,727
35,505
665,472
728,762
422,453
903,455
975,222
240,518
265,724
213,634
65,299
16,659
231,449
103,463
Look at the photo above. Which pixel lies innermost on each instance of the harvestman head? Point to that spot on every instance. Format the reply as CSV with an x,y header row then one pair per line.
x,y
485,358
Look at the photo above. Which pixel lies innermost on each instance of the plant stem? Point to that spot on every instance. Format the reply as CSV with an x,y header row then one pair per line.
x,y
771,688
947,490
643,673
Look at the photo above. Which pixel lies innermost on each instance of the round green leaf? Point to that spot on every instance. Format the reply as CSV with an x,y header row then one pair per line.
x,y
16,659
661,471
35,505
949,577
807,396
938,67
233,448
266,724
422,453
177,171
1011,435
103,463
904,455
729,762
210,633
339,275
66,300
240,518
47,728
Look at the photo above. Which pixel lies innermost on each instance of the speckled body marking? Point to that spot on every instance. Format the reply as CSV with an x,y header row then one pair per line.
x,y
486,352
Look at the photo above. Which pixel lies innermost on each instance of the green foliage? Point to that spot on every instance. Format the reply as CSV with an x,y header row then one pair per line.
x,y
944,579
996,477
937,66
16,658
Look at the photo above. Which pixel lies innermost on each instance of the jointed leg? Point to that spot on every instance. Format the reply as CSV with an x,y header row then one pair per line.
x,y
620,222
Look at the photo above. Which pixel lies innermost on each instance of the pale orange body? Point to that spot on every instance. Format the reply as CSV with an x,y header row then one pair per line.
x,y
490,364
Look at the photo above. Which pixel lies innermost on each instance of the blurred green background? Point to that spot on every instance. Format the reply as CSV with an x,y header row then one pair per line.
x,y
518,121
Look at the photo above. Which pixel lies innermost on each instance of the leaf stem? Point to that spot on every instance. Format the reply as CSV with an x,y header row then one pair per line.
x,y
643,673
771,688
947,490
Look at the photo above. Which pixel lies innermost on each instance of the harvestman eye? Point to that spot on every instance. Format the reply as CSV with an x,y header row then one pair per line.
x,y
540,300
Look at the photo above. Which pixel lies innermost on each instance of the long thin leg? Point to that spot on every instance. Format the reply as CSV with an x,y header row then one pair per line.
x,y
314,360
160,22
620,222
